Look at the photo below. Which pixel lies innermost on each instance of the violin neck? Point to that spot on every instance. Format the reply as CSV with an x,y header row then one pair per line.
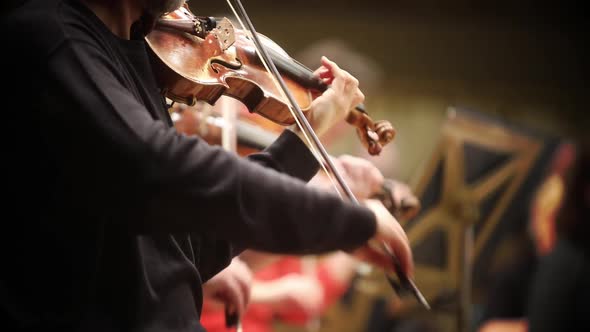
x,y
296,71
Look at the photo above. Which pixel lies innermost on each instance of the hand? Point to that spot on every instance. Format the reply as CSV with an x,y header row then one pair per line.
x,y
362,177
231,287
399,199
392,234
336,102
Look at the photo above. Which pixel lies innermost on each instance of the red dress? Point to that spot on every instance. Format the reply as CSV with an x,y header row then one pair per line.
x,y
259,317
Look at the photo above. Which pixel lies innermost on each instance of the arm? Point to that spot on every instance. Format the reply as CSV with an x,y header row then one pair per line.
x,y
288,155
142,165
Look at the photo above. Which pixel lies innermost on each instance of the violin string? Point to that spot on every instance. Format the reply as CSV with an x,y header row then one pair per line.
x,y
321,160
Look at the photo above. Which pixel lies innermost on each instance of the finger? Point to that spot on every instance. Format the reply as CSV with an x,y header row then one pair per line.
x,y
328,81
353,164
393,235
377,179
244,278
335,69
331,65
392,224
374,256
340,167
359,97
351,90
406,201
403,252
401,192
318,70
400,231
410,207
351,82
368,171
234,298
245,287
349,167
339,81
322,69
325,73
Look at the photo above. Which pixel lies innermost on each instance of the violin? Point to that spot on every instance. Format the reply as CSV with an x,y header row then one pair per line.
x,y
203,58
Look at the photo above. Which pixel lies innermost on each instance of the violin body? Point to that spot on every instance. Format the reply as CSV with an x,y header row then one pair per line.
x,y
193,68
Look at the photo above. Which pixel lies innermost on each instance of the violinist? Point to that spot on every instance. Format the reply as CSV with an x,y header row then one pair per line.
x,y
505,308
116,219
560,285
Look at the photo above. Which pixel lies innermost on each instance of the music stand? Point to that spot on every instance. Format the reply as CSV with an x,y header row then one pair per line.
x,y
474,190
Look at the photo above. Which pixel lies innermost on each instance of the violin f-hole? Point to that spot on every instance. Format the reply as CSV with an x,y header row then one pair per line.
x,y
214,63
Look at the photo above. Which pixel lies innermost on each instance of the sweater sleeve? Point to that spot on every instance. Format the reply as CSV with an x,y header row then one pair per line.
x,y
164,181
289,155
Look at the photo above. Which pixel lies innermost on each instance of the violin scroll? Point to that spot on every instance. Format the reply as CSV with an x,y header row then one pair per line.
x,y
373,135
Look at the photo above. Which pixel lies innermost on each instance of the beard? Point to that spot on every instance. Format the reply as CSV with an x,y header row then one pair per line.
x,y
157,8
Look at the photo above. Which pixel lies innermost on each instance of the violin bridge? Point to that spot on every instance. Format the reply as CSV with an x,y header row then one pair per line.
x,y
224,32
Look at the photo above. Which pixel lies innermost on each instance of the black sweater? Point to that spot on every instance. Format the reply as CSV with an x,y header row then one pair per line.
x,y
113,219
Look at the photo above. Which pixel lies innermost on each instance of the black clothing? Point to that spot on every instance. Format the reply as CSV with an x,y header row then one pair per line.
x,y
117,219
561,289
508,293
